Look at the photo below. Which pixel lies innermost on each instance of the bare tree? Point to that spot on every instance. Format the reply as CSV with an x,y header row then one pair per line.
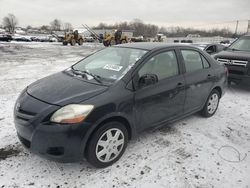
x,y
67,27
9,23
56,25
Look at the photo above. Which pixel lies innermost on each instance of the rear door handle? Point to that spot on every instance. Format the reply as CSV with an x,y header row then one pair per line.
x,y
210,77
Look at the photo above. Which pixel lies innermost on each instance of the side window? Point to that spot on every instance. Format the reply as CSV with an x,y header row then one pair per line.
x,y
192,60
205,62
163,65
211,49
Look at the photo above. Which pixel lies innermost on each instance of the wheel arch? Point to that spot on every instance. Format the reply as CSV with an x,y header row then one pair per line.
x,y
218,88
117,117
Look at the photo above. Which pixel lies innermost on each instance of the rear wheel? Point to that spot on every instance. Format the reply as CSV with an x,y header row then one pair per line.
x,y
106,43
73,42
212,104
124,41
107,144
65,43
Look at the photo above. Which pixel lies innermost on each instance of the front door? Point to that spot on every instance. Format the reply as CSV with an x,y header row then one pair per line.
x,y
164,99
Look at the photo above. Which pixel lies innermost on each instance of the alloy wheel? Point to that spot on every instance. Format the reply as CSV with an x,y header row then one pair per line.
x,y
110,145
212,103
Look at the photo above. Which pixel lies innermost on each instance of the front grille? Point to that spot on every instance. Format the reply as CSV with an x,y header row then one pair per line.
x,y
233,62
24,116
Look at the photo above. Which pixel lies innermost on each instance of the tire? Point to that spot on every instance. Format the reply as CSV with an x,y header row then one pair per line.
x,y
105,43
73,42
112,43
105,145
123,42
212,104
65,43
80,42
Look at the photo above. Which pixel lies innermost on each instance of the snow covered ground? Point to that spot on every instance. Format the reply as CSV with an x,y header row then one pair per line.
x,y
193,152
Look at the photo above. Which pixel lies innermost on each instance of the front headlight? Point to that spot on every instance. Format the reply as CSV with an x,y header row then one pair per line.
x,y
72,113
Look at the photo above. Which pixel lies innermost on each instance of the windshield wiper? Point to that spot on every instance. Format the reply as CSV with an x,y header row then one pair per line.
x,y
96,77
233,49
79,72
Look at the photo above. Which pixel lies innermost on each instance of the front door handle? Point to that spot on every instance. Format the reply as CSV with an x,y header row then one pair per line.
x,y
179,85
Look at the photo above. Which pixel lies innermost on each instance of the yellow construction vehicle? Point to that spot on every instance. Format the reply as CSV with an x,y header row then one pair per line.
x,y
73,38
116,37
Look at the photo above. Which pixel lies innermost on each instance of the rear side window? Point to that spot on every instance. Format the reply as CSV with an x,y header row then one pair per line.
x,y
205,62
163,65
192,60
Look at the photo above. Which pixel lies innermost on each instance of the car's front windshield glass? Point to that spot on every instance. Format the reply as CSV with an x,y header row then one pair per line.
x,y
110,64
242,44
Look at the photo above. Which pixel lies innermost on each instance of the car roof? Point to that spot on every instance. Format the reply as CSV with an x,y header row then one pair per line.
x,y
247,35
151,45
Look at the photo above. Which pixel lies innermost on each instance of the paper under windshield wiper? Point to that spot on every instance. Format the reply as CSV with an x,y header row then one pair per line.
x,y
96,77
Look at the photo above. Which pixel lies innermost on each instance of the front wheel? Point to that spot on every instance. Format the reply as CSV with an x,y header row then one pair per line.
x,y
107,144
73,42
212,104
80,42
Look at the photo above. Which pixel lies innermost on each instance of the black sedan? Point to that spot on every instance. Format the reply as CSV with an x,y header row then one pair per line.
x,y
5,38
93,108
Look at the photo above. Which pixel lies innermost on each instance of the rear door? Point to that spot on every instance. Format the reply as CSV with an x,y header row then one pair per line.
x,y
163,100
199,79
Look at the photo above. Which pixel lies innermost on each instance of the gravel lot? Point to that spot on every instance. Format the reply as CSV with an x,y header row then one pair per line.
x,y
193,152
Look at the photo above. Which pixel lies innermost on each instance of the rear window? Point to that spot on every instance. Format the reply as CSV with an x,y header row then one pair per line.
x,y
192,60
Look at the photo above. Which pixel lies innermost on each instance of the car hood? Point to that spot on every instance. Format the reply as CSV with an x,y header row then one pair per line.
x,y
62,89
233,55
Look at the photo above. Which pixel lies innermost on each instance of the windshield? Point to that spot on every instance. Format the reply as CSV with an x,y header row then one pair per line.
x,y
242,44
110,64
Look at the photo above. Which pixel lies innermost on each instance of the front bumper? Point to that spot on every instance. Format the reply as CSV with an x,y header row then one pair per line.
x,y
58,142
242,79
239,74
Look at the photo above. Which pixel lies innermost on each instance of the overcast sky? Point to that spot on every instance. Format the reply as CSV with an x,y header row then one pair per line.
x,y
161,12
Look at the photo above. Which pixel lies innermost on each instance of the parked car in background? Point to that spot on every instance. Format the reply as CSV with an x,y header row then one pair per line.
x,y
93,108
21,39
89,39
35,39
210,48
237,59
5,38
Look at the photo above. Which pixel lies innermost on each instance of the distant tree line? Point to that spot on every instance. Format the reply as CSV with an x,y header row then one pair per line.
x,y
10,23
139,28
183,32
149,30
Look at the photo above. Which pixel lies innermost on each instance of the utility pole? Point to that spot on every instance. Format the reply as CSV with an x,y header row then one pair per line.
x,y
236,29
248,28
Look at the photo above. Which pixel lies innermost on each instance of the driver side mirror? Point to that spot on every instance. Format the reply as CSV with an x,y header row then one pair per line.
x,y
210,51
147,79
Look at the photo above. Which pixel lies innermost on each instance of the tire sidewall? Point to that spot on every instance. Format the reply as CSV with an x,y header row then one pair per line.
x,y
91,147
205,109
